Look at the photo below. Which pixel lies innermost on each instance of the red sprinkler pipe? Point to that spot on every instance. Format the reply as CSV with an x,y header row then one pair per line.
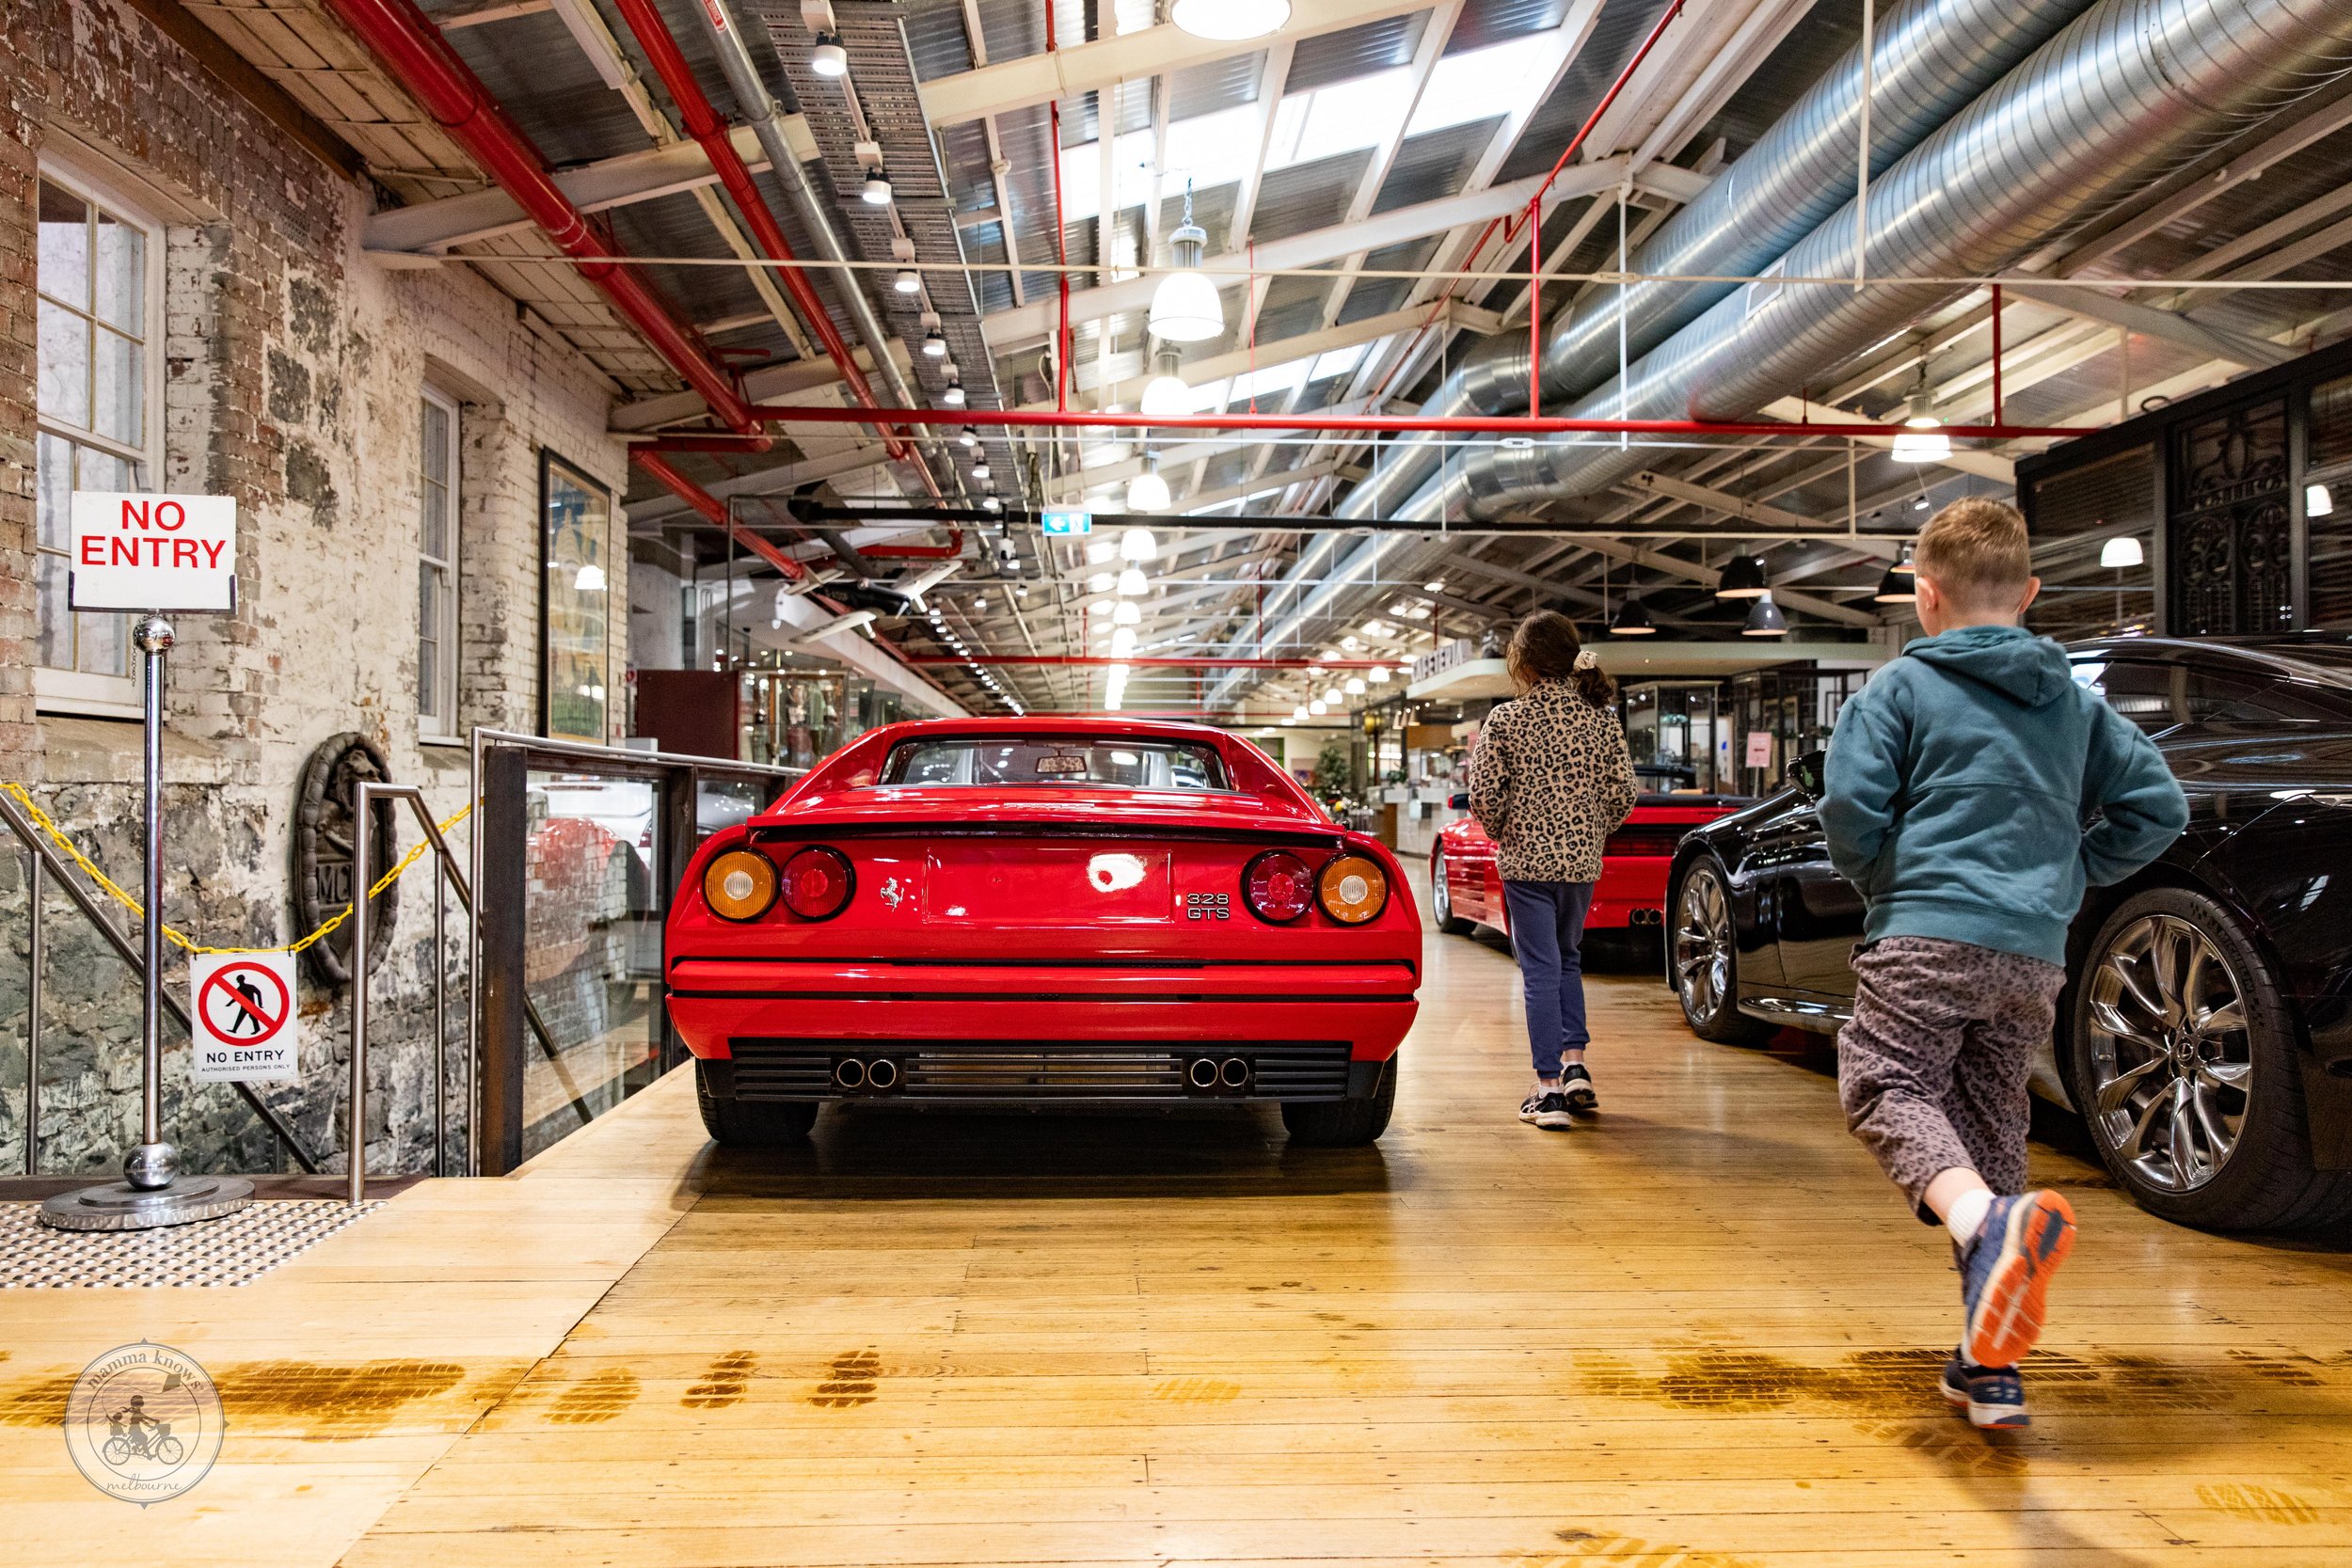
x,y
1609,97
704,125
420,60
711,506
1464,424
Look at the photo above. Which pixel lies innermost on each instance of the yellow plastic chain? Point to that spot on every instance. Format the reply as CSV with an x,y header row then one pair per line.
x,y
89,868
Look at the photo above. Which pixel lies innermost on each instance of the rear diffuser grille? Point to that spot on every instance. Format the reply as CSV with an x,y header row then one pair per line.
x,y
1042,1070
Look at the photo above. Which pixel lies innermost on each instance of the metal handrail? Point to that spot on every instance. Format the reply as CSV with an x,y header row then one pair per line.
x,y
45,859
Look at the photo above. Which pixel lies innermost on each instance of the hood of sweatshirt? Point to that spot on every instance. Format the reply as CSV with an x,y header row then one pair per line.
x,y
2029,670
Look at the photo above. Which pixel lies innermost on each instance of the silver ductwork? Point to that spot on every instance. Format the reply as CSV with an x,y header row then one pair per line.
x,y
2128,93
1927,59
2121,98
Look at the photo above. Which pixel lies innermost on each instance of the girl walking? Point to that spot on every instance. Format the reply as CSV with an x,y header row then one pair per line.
x,y
1550,779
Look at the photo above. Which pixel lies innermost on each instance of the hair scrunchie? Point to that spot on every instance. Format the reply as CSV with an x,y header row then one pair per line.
x,y
1587,660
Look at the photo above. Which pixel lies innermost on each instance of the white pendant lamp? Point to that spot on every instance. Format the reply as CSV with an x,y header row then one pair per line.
x,y
1185,307
1131,583
1122,641
1137,544
1127,614
1166,395
1230,20
2121,551
1922,439
1145,492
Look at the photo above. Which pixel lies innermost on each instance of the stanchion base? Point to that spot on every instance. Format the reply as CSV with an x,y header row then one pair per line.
x,y
120,1206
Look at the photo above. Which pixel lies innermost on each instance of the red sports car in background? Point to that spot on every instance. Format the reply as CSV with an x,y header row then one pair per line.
x,y
1466,890
1018,911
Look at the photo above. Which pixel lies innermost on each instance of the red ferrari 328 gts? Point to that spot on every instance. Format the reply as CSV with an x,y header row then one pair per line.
x,y
1466,890
1021,911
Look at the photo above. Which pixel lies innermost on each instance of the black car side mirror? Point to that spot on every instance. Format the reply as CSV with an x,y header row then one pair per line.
x,y
1459,799
1808,774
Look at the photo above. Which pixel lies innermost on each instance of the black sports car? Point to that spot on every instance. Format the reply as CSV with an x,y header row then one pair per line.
x,y
2205,1032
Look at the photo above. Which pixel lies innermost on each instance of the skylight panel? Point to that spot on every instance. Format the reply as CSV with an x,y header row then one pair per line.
x,y
1365,112
1082,175
1212,149
1479,84
1266,380
1339,362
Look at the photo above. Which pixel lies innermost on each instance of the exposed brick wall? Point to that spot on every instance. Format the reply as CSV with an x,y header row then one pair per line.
x,y
293,369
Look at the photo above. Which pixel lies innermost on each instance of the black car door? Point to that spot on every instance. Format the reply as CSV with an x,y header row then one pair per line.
x,y
1817,912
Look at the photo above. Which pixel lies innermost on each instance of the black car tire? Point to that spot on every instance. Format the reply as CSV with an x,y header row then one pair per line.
x,y
2266,1181
749,1123
1441,902
1712,1010
1348,1123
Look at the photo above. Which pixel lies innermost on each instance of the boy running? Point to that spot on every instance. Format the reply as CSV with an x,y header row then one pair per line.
x,y
1973,791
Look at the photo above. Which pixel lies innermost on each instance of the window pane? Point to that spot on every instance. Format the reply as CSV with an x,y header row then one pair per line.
x,y
64,245
120,389
428,645
2147,694
64,365
53,645
101,471
55,463
436,442
434,528
120,283
102,644
2083,519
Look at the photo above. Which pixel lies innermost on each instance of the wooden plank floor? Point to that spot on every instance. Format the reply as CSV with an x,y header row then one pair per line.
x,y
1701,1333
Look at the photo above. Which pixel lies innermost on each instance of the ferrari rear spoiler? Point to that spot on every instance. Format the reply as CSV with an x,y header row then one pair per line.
x,y
801,832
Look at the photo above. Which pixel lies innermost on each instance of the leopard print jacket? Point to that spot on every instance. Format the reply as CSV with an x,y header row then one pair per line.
x,y
1550,779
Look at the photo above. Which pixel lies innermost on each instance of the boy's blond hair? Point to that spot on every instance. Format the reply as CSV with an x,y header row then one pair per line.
x,y
1976,551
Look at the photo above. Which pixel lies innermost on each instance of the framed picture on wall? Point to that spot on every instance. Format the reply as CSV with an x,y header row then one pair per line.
x,y
574,599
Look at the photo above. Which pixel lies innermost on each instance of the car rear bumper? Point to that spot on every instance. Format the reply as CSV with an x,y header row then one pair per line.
x,y
1020,1033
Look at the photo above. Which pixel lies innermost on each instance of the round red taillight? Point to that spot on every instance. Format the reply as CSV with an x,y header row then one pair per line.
x,y
1278,886
818,883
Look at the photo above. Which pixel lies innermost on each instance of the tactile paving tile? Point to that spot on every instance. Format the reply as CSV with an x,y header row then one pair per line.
x,y
237,1249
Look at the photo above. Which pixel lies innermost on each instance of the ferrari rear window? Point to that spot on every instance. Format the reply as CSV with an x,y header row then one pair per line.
x,y
1115,763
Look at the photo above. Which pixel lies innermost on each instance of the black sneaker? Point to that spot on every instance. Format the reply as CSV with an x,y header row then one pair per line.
x,y
1546,1108
1575,1088
1993,1397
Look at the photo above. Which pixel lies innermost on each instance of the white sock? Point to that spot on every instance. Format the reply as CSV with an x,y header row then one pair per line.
x,y
1967,1215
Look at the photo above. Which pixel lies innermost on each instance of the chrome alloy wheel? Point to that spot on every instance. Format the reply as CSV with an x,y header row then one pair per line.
x,y
2172,1064
1702,945
1440,899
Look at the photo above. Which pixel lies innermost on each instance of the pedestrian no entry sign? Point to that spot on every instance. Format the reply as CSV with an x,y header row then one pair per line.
x,y
168,553
242,1017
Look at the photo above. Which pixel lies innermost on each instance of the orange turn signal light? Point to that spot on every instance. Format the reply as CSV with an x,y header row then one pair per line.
x,y
1352,890
740,884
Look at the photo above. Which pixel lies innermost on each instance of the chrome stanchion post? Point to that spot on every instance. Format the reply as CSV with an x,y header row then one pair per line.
x,y
441,1016
361,874
151,1193
33,949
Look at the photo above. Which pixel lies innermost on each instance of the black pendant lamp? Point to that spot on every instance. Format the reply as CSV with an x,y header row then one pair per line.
x,y
1742,579
1897,587
1765,619
1632,620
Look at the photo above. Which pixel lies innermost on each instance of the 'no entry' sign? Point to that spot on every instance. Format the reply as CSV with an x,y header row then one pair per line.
x,y
243,1014
163,553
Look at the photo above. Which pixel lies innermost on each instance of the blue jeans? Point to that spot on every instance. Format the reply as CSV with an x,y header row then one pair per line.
x,y
1546,931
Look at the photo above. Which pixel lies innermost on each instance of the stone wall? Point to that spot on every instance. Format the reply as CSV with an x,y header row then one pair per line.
x,y
294,371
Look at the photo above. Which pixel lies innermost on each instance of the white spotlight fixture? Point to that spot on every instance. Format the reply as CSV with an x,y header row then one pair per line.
x,y
909,282
2318,501
1318,707
952,394
980,470
1131,583
968,436
1185,307
2121,551
1377,675
991,503
1299,712
829,58
1137,544
935,346
1229,21
1331,697
1355,685
876,191
1127,614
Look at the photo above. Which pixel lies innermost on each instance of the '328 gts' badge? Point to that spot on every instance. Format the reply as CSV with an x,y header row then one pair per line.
x,y
144,1423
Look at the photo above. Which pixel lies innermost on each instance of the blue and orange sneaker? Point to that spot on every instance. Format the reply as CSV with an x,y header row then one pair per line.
x,y
1994,1397
2005,1275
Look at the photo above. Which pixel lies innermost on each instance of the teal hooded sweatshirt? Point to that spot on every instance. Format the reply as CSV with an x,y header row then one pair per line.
x,y
1973,790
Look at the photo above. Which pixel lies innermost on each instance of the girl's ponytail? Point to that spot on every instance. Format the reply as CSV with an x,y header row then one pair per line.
x,y
1547,647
